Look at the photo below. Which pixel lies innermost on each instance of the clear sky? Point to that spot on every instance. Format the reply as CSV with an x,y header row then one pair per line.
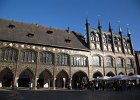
x,y
72,13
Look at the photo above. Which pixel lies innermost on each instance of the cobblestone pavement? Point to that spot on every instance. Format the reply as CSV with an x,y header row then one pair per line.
x,y
25,94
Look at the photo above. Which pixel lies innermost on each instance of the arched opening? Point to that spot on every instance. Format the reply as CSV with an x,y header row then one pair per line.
x,y
110,74
45,79
97,74
78,78
121,73
130,74
6,77
25,78
62,79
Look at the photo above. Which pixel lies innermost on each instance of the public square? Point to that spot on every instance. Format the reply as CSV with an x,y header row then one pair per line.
x,y
42,94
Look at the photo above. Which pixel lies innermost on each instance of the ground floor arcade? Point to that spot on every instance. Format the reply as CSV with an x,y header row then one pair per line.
x,y
44,80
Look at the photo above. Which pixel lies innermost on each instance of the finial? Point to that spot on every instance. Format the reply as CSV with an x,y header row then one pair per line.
x,y
99,24
110,28
128,30
120,29
87,22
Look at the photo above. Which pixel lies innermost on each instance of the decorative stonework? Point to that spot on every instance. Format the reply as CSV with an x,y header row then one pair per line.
x,y
28,46
44,48
33,47
10,44
4,44
16,45
53,49
22,46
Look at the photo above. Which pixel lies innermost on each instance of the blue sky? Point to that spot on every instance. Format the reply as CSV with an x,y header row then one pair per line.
x,y
72,13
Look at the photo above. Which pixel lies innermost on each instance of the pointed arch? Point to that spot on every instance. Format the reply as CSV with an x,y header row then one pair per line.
x,y
110,74
6,77
45,79
97,74
78,78
121,73
25,78
62,79
130,74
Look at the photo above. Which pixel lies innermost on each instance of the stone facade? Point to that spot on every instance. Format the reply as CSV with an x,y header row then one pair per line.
x,y
102,57
137,57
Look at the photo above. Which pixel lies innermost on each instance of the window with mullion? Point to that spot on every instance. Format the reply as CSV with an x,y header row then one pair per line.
x,y
46,58
130,63
96,61
78,61
119,62
109,62
28,56
62,59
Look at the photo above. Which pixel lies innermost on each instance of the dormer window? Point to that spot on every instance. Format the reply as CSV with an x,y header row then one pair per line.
x,y
49,32
30,35
67,40
11,26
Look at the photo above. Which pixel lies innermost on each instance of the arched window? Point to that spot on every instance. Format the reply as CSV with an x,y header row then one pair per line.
x,y
104,38
115,40
130,63
28,56
8,54
119,62
124,42
119,40
109,62
79,60
46,58
96,61
109,39
62,59
97,37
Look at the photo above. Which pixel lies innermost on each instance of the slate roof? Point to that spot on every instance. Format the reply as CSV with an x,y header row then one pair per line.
x,y
37,34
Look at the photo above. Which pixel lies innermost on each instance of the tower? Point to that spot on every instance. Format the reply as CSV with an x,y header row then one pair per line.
x,y
88,40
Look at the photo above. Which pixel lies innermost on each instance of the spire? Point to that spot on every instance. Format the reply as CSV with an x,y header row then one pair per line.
x,y
87,22
128,31
120,29
110,28
99,24
88,37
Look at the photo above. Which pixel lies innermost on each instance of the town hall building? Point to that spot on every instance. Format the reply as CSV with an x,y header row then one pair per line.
x,y
32,55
